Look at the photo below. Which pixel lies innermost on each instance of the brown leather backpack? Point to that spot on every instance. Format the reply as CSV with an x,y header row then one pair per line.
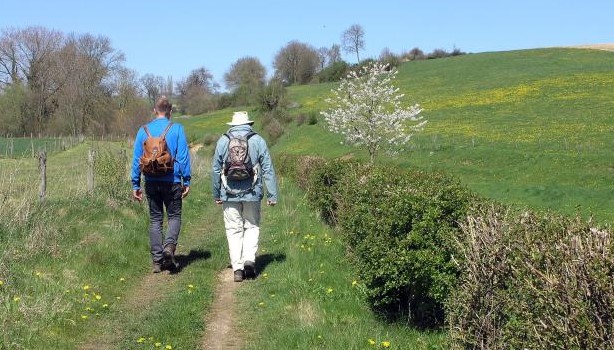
x,y
156,159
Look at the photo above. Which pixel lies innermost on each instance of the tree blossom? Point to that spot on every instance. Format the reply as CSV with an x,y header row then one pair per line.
x,y
367,111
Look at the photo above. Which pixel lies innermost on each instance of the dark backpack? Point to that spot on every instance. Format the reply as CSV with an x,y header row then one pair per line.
x,y
156,159
238,164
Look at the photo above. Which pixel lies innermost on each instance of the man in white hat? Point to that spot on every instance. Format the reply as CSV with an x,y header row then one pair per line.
x,y
241,164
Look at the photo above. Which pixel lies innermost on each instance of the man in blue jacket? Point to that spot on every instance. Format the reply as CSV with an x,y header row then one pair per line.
x,y
241,198
163,191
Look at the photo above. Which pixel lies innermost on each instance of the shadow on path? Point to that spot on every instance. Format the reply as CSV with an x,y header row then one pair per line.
x,y
193,256
262,261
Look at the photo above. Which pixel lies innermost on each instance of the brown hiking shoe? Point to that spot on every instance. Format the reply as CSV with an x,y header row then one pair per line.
x,y
238,276
169,256
156,267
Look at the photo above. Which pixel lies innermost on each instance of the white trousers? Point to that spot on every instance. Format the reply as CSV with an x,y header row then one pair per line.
x,y
242,222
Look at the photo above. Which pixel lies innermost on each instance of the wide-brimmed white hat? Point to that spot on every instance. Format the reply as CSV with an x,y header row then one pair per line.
x,y
240,118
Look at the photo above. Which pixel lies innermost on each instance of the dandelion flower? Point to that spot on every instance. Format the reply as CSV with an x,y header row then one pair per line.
x,y
168,347
84,317
16,299
158,344
104,306
122,279
86,287
140,340
1,283
354,283
329,290
371,342
386,344
98,297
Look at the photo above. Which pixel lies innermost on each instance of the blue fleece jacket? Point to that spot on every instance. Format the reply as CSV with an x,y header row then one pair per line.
x,y
177,144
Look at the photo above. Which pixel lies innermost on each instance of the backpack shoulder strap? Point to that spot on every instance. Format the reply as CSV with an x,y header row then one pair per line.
x,y
250,134
168,127
146,130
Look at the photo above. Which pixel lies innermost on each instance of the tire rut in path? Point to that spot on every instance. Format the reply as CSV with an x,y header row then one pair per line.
x,y
222,329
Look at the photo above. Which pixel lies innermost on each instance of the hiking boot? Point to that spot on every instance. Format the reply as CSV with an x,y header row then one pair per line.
x,y
250,269
169,255
238,276
156,267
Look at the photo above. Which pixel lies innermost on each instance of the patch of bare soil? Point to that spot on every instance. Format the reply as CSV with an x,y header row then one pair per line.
x,y
606,47
221,330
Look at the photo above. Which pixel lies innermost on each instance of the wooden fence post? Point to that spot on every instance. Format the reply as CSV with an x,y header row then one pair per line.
x,y
90,171
42,166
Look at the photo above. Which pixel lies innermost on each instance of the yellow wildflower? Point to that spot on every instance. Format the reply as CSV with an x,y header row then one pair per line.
x,y
122,279
386,344
98,297
354,283
168,347
16,299
1,283
371,342
329,290
140,340
158,344
86,287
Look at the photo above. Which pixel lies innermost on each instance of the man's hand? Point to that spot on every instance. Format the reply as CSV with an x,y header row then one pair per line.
x,y
186,190
218,201
137,195
270,202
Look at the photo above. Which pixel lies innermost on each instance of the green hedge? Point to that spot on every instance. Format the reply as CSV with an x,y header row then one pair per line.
x,y
399,227
428,250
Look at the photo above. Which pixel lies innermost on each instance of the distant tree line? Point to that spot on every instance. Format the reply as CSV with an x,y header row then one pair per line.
x,y
77,84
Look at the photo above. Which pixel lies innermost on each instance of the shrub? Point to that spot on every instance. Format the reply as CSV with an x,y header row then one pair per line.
x,y
533,281
210,139
110,169
272,96
334,72
399,227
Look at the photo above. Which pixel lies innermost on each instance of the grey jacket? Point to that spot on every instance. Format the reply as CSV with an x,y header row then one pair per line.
x,y
259,154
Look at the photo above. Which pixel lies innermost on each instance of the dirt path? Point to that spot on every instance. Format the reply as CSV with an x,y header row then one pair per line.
x,y
221,323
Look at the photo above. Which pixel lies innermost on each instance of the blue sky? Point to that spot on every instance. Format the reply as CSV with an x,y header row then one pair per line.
x,y
171,38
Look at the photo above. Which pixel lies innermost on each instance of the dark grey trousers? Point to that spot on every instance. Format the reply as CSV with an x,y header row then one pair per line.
x,y
161,196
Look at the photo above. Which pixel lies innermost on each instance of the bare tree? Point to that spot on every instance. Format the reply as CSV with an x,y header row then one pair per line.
x,y
323,56
152,86
334,54
245,79
197,92
296,63
353,40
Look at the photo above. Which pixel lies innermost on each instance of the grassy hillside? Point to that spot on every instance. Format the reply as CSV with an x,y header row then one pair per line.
x,y
529,127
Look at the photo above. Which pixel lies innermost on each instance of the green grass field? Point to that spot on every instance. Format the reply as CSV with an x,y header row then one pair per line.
x,y
530,127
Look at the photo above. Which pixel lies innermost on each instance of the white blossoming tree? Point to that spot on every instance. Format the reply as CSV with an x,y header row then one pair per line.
x,y
366,109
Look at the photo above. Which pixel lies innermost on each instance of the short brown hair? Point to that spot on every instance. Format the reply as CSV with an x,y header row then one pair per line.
x,y
163,105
